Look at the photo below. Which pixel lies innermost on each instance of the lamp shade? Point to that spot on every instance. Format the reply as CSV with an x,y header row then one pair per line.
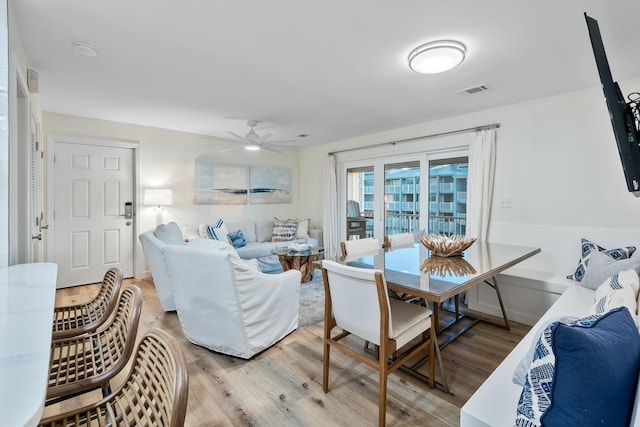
x,y
158,196
437,57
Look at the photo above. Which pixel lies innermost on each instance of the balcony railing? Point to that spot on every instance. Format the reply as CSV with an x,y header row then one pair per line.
x,y
400,223
446,187
407,223
448,225
446,206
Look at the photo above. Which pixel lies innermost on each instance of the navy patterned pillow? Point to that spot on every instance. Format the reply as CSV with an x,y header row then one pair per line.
x,y
237,239
599,356
587,247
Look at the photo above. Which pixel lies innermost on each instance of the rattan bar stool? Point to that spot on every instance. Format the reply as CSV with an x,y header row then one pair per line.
x,y
89,361
72,320
155,392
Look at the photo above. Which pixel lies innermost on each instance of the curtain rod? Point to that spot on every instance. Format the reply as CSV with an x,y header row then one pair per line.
x,y
434,135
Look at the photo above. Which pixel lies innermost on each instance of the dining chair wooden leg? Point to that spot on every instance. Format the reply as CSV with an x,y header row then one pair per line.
x,y
382,389
382,400
325,368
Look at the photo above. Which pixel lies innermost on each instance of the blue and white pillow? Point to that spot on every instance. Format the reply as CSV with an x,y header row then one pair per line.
x,y
237,239
587,247
619,290
584,373
216,231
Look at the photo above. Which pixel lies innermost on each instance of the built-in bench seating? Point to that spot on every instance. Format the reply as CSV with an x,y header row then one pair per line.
x,y
494,404
531,287
535,291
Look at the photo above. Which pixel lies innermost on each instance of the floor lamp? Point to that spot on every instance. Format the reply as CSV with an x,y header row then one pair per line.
x,y
158,197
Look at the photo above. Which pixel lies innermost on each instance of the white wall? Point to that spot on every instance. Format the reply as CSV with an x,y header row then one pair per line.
x,y
556,160
558,163
166,160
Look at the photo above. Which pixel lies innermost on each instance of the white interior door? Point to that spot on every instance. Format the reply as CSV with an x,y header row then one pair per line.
x,y
93,211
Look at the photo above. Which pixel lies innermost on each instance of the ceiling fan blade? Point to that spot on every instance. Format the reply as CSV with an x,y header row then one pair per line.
x,y
263,137
282,142
237,136
230,149
213,139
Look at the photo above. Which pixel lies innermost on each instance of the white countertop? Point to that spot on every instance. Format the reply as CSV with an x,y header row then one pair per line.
x,y
27,298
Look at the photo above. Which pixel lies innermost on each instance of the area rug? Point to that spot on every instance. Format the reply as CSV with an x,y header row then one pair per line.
x,y
311,309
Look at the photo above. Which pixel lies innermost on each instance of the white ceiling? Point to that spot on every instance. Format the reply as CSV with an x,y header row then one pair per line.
x,y
333,69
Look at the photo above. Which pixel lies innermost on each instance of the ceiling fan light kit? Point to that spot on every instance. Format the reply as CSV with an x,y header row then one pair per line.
x,y
437,56
252,141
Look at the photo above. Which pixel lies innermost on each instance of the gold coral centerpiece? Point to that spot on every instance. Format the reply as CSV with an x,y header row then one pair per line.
x,y
453,266
446,246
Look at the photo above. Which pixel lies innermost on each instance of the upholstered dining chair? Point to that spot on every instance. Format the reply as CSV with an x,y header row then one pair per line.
x,y
155,392
358,246
86,317
86,362
357,302
398,240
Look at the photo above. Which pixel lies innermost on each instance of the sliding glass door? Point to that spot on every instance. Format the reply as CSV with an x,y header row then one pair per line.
x,y
360,202
387,196
401,197
448,195
382,197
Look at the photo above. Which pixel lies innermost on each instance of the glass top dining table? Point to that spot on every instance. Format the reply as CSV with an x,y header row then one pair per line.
x,y
412,269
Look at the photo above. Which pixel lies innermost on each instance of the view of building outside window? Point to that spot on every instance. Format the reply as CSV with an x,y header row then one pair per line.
x,y
447,199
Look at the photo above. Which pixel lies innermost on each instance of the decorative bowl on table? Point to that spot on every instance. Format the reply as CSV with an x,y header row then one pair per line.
x,y
299,247
446,246
452,266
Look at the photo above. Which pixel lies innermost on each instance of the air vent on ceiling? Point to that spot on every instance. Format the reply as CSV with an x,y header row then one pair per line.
x,y
473,89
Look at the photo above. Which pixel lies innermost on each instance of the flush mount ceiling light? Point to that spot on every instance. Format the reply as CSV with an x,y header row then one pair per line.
x,y
84,49
436,57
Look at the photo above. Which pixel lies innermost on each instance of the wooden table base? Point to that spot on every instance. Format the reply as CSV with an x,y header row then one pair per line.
x,y
300,262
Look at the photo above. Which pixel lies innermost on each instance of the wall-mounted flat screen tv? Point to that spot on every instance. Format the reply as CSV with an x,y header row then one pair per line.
x,y
624,115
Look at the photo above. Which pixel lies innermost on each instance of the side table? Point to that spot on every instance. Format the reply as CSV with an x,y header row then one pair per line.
x,y
299,260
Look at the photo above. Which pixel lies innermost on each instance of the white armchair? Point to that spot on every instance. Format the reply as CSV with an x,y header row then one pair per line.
x,y
153,248
227,305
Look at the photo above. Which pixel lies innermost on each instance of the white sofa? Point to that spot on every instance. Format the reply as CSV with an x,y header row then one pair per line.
x,y
154,247
226,304
257,236
494,404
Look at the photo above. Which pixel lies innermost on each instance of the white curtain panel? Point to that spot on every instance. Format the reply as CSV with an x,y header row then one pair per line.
x,y
482,165
330,205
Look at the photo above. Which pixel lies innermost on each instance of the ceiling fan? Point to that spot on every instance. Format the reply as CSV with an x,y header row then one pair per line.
x,y
253,141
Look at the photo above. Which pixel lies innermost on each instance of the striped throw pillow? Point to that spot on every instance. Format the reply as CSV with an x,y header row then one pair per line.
x,y
284,231
218,231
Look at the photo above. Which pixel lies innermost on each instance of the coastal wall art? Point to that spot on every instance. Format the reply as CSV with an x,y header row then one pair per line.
x,y
270,185
220,184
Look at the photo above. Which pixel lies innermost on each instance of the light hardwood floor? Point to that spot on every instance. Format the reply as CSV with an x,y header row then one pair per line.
x,y
282,386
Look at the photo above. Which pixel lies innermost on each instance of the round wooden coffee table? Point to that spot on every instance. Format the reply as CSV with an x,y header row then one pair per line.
x,y
299,260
